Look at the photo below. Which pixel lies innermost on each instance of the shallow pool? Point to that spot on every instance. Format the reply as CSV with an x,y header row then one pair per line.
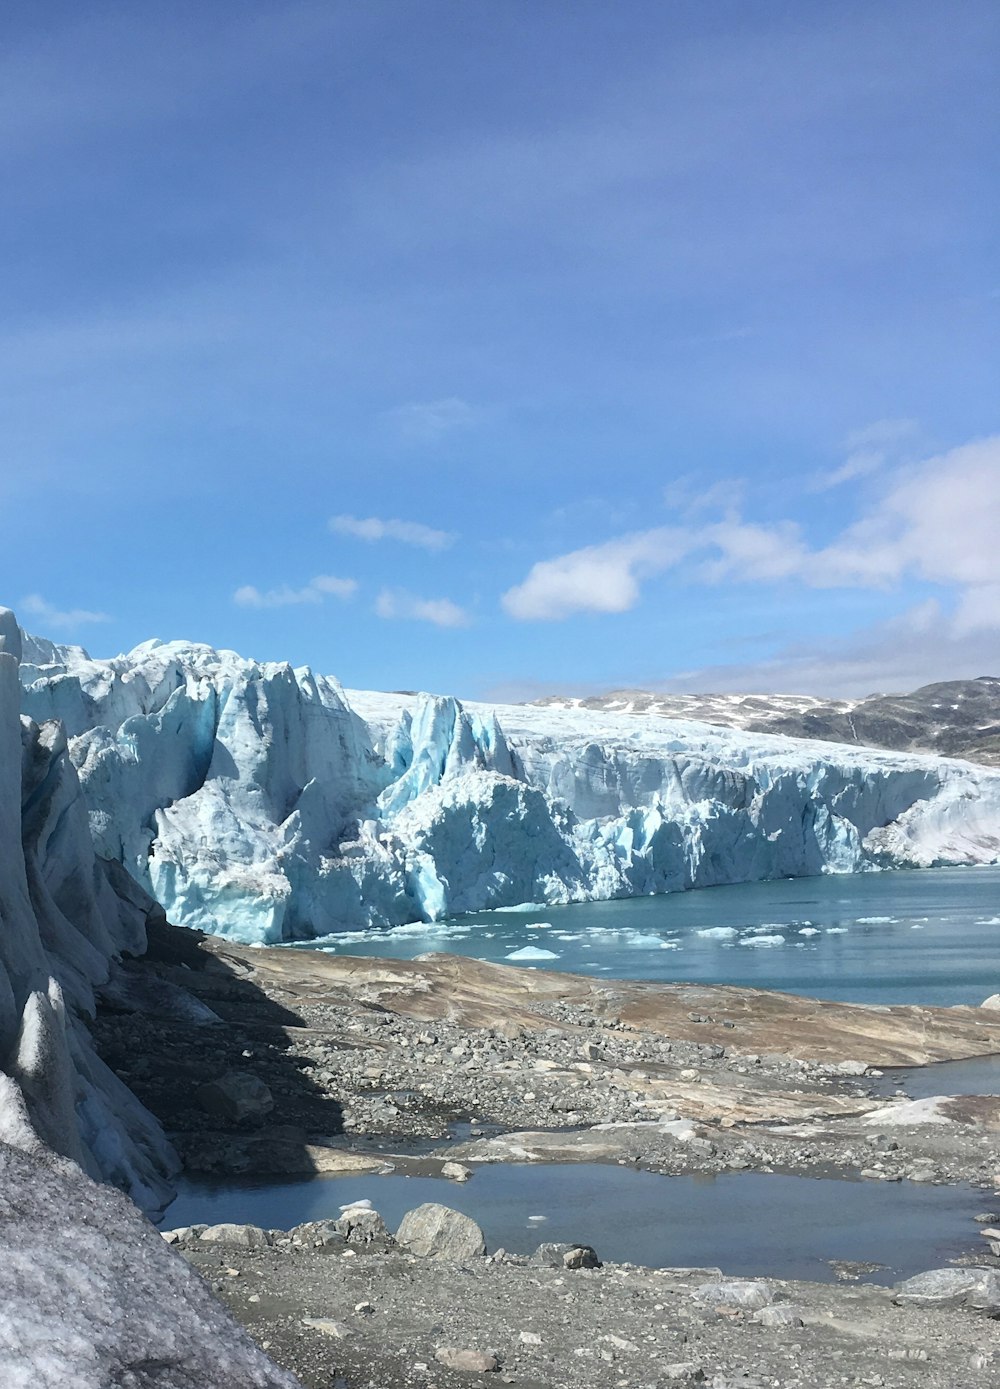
x,y
747,1224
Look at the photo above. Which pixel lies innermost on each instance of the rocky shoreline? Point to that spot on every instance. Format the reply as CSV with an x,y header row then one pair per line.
x,y
270,1063
342,1305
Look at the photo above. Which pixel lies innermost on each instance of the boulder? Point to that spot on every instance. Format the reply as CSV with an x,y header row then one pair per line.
x,y
473,1361
242,1236
580,1256
237,1095
438,1232
748,1295
317,1234
975,1288
359,1225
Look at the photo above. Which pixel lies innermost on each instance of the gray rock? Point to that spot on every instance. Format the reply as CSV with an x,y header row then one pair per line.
x,y
437,1232
336,1329
317,1234
778,1315
240,1236
238,1095
975,1288
473,1361
362,1226
551,1255
456,1171
745,1294
581,1256
684,1372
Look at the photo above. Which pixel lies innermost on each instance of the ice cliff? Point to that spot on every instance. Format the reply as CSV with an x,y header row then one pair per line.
x,y
267,803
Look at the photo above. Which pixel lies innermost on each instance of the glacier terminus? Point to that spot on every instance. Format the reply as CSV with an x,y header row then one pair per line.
x,y
267,803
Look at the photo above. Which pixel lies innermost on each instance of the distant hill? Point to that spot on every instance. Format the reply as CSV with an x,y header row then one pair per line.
x,y
955,718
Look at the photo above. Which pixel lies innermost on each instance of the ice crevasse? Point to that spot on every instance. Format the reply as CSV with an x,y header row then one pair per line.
x,y
268,803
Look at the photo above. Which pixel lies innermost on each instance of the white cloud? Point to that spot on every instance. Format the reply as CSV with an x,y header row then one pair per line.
x,y
978,610
937,521
599,578
374,528
870,449
322,586
60,618
442,612
427,422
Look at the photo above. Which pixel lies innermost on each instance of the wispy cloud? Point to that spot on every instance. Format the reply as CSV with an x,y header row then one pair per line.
x,y
428,421
869,450
937,521
61,619
397,603
323,586
919,646
374,528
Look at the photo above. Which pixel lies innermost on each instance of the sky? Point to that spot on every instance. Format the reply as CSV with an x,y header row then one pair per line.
x,y
507,348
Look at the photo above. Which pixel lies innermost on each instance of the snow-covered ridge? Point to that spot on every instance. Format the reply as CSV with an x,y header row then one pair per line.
x,y
954,718
267,803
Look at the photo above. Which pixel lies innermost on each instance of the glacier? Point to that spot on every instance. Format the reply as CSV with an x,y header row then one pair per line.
x,y
267,803
89,1293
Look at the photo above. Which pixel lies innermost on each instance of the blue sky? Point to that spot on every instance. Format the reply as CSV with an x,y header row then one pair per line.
x,y
507,347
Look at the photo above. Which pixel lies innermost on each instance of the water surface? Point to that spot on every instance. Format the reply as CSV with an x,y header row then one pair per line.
x,y
911,936
747,1224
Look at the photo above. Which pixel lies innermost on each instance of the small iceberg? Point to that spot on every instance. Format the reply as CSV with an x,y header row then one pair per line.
x,y
717,933
531,952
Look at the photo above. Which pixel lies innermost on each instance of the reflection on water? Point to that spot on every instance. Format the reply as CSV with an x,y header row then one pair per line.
x,y
747,1224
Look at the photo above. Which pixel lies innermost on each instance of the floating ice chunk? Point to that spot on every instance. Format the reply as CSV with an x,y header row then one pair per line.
x,y
876,920
362,1204
808,931
717,932
836,931
531,952
989,921
523,907
762,940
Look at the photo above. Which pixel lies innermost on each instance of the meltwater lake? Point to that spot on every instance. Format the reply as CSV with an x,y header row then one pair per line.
x,y
909,936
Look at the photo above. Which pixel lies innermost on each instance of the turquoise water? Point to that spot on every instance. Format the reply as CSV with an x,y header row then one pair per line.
x,y
927,936
747,1224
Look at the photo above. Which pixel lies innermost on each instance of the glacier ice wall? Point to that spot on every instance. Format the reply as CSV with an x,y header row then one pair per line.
x,y
64,915
266,803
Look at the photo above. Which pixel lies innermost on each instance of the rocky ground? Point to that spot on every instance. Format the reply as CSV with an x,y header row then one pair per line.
x,y
278,1061
360,1316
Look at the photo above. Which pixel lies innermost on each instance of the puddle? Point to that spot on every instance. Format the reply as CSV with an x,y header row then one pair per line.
x,y
978,1076
747,1224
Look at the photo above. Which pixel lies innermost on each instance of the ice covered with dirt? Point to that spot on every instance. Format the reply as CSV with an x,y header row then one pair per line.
x,y
89,1294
